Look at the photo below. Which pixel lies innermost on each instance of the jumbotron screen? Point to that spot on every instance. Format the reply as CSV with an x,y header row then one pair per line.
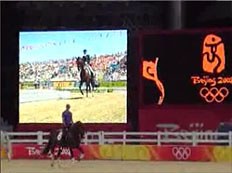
x,y
193,67
85,69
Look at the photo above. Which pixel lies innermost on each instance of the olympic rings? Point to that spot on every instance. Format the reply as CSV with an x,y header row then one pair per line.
x,y
181,153
214,94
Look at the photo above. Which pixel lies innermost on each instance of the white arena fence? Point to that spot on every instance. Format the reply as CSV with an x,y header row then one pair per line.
x,y
152,138
33,95
40,95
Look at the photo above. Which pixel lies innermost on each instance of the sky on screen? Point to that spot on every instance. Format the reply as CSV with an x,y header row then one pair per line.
x,y
55,45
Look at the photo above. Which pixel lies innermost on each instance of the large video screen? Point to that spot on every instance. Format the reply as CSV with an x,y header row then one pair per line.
x,y
85,69
193,67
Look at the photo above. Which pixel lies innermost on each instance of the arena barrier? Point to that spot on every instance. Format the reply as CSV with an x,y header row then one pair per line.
x,y
133,152
3,153
157,146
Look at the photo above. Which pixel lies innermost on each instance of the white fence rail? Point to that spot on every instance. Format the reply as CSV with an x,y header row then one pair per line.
x,y
102,137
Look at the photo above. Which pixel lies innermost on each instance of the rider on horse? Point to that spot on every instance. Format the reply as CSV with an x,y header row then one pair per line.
x,y
67,120
86,60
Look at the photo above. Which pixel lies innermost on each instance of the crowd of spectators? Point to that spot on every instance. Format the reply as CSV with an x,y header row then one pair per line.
x,y
107,68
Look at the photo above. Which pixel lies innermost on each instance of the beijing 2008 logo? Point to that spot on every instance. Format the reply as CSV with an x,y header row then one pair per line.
x,y
213,64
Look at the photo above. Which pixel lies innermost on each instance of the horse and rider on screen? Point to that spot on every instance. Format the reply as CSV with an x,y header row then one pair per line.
x,y
87,75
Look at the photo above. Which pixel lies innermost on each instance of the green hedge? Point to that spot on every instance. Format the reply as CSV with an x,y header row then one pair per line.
x,y
97,90
113,84
26,85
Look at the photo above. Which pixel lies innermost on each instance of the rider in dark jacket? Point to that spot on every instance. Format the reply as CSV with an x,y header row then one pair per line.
x,y
86,59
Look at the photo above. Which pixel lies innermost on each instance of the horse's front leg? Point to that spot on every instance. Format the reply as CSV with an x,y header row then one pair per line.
x,y
58,155
82,154
72,155
87,89
80,87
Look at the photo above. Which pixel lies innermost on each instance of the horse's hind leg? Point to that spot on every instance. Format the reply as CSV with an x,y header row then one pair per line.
x,y
86,91
52,157
92,84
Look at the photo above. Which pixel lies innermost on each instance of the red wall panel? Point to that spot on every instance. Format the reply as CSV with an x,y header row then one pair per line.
x,y
183,117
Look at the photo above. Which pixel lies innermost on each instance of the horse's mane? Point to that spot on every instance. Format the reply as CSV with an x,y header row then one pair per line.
x,y
79,59
78,126
80,62
78,123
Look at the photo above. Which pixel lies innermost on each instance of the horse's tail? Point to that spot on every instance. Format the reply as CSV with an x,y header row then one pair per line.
x,y
49,144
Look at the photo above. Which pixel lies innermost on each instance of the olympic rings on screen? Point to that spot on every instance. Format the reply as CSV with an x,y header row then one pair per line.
x,y
181,153
214,94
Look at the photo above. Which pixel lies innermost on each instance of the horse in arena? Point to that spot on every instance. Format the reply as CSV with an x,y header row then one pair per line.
x,y
72,140
85,75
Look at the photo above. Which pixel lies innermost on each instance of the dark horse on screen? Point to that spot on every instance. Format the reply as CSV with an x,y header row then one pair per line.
x,y
85,76
71,140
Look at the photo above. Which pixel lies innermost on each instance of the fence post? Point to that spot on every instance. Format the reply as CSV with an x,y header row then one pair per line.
x,y
194,138
5,144
86,138
230,138
9,146
99,137
124,137
2,138
39,137
159,138
102,138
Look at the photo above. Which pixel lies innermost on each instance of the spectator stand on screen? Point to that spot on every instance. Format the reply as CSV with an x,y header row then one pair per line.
x,y
110,67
